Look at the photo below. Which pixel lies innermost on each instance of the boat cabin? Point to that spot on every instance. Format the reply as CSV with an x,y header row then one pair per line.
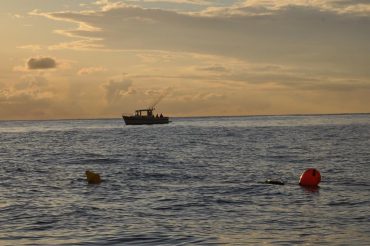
x,y
144,112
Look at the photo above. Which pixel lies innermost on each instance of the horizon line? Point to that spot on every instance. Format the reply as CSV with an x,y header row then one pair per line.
x,y
201,116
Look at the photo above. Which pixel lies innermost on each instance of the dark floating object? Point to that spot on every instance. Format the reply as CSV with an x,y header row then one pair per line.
x,y
310,177
92,178
145,117
275,182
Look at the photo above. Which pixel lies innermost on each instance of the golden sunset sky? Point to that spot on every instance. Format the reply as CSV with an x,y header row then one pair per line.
x,y
98,59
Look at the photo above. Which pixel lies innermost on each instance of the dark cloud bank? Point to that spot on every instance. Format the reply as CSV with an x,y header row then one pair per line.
x,y
41,63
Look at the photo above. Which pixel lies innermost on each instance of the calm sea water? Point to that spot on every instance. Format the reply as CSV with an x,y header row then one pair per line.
x,y
196,181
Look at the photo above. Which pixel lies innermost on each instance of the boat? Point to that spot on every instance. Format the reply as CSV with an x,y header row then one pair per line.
x,y
145,117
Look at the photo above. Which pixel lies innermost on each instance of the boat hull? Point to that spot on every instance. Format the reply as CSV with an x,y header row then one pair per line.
x,y
140,120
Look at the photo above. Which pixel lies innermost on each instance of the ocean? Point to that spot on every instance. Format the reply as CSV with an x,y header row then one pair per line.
x,y
195,181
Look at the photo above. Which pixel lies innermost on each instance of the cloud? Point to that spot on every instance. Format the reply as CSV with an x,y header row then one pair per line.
x,y
287,33
214,68
86,44
270,7
33,47
276,49
107,4
17,16
41,63
22,97
91,70
116,89
30,97
30,82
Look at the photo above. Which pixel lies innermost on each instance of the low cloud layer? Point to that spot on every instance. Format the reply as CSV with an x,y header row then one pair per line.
x,y
30,97
91,70
116,89
41,63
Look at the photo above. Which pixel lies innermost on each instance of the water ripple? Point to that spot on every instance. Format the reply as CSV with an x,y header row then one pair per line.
x,y
196,181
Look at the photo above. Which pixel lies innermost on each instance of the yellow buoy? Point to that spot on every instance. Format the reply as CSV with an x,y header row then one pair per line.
x,y
92,178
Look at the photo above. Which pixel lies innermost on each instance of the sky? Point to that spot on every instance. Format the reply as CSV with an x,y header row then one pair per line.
x,y
80,59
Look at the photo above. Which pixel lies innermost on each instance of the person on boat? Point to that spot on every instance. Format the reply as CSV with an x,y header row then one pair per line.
x,y
156,116
161,115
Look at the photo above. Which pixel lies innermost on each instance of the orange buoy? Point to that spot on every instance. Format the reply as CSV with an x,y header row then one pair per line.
x,y
92,178
310,177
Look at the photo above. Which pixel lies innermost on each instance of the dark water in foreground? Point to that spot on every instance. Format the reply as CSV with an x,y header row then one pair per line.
x,y
196,181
